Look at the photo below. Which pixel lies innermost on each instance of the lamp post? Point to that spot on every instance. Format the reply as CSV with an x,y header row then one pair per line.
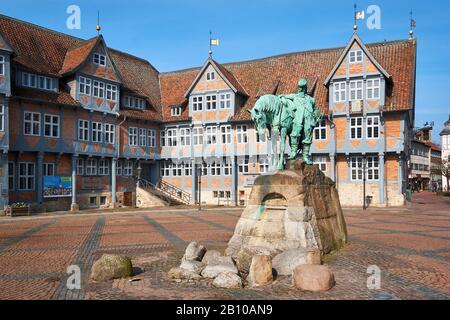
x,y
200,172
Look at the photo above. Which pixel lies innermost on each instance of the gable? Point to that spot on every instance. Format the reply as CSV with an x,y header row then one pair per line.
x,y
5,45
346,68
108,71
203,84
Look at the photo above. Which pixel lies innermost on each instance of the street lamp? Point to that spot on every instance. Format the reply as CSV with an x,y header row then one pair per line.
x,y
200,172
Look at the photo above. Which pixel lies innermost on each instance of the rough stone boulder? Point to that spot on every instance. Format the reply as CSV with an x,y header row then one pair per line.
x,y
260,271
193,266
285,262
211,256
228,280
212,271
194,251
297,208
313,278
180,273
111,266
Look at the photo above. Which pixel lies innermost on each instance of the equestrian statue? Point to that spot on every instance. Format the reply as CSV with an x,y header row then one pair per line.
x,y
291,115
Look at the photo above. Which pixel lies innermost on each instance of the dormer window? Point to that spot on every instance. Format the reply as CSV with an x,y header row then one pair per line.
x,y
135,103
210,76
100,59
2,65
356,56
175,111
32,80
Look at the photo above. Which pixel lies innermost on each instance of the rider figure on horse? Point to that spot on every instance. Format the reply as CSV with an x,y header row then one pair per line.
x,y
306,116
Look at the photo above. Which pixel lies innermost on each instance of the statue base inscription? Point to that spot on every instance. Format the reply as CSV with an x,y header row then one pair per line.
x,y
297,208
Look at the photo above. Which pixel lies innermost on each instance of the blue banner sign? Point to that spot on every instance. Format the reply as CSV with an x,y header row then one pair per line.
x,y
56,186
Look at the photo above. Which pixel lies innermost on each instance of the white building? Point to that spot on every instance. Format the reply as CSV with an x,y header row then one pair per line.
x,y
445,136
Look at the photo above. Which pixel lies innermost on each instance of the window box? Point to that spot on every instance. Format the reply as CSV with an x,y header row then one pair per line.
x,y
18,209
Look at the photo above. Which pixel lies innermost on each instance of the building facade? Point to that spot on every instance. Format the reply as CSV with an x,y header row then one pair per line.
x,y
445,143
77,108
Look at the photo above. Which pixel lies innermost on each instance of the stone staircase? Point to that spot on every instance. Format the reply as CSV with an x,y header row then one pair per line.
x,y
167,192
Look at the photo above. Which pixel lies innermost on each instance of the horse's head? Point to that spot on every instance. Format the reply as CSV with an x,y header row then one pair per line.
x,y
259,119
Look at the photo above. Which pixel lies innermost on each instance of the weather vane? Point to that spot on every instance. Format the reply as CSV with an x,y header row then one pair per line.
x,y
358,15
412,25
97,27
212,42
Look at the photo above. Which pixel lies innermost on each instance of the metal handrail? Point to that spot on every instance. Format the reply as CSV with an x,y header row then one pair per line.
x,y
167,189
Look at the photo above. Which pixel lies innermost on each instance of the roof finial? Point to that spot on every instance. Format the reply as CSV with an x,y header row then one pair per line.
x,y
212,42
412,26
355,25
97,27
359,15
210,52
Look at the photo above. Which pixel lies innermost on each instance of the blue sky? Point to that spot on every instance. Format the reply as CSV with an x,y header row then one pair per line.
x,y
174,34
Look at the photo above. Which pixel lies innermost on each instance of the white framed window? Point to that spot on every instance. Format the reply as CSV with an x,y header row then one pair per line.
x,y
110,133
91,167
356,90
211,102
2,66
165,169
215,169
263,164
227,169
99,89
133,136
211,135
32,123
80,167
142,137
373,127
2,117
373,89
99,59
97,132
103,167
83,130
340,91
243,165
211,75
198,135
172,137
26,176
320,132
48,169
11,181
162,138
241,134
373,169
356,56
151,137
175,111
111,92
356,168
185,136
225,101
177,169
133,102
51,126
321,161
119,168
85,86
40,82
197,103
188,169
356,128
225,132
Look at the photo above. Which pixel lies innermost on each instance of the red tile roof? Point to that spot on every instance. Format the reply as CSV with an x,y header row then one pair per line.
x,y
77,55
48,52
281,73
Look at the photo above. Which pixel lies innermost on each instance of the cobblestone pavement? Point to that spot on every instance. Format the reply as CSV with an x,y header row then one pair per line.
x,y
411,246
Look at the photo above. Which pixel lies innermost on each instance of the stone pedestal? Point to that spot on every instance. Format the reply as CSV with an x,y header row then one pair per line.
x,y
74,207
297,208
